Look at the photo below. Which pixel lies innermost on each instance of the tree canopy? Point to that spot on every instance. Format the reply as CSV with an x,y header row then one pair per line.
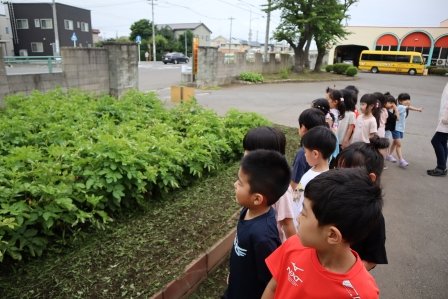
x,y
305,20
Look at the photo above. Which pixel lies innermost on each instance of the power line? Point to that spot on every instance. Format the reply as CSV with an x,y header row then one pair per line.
x,y
234,5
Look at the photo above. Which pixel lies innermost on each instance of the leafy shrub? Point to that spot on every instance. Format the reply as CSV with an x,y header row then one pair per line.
x,y
437,71
284,73
351,71
251,77
68,160
329,68
341,68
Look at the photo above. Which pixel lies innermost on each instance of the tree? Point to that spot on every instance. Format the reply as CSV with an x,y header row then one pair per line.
x,y
143,28
181,42
303,20
331,29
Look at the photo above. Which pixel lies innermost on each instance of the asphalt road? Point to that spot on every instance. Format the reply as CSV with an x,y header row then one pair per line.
x,y
416,205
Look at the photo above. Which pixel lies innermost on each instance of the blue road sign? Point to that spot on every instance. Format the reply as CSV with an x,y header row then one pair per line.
x,y
74,38
138,39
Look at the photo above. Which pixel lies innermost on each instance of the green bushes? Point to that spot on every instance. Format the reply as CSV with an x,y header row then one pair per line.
x,y
284,73
69,160
351,71
251,77
340,68
329,68
437,71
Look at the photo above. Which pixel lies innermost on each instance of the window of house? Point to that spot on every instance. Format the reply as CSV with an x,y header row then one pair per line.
x,y
68,24
7,30
37,47
84,26
46,23
36,23
78,25
22,24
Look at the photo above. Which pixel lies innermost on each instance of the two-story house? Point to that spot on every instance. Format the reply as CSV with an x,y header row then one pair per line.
x,y
199,30
33,28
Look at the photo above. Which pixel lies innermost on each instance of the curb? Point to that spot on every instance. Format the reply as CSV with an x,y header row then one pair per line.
x,y
198,270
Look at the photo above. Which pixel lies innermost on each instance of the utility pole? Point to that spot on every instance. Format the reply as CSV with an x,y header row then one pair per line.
x,y
153,34
230,38
250,25
266,39
56,33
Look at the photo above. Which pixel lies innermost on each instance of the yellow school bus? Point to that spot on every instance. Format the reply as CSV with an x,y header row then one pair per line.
x,y
391,61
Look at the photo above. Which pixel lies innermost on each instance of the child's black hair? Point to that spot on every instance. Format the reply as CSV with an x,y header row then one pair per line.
x,y
365,155
371,100
403,97
320,138
353,88
312,117
336,95
268,173
264,137
323,105
390,98
347,199
381,98
349,99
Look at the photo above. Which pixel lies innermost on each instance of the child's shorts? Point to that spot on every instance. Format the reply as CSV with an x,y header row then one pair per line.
x,y
397,135
388,134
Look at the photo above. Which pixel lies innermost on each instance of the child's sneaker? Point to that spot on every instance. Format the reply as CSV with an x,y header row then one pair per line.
x,y
403,163
391,158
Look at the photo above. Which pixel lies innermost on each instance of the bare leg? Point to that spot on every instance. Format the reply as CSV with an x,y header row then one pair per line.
x,y
397,143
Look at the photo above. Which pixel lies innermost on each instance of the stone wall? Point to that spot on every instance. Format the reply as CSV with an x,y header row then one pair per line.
x,y
4,87
214,69
112,70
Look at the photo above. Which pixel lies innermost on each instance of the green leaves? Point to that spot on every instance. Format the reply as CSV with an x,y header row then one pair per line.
x,y
68,159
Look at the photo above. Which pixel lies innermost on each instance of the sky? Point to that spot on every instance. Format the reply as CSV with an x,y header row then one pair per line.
x,y
114,17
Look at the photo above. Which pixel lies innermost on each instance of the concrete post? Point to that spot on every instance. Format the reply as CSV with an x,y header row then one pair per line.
x,y
4,87
123,67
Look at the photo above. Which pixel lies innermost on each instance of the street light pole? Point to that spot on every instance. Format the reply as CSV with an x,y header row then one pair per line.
x,y
153,34
230,38
56,33
266,39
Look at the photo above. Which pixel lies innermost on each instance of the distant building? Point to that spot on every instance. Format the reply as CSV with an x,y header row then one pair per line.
x,y
432,42
33,27
96,38
6,44
198,29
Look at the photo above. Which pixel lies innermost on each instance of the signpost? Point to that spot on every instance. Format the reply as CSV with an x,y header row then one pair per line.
x,y
138,40
74,39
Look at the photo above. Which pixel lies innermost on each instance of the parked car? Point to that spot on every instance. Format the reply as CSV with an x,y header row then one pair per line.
x,y
174,58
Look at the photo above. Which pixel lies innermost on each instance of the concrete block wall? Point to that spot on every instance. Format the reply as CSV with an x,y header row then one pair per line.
x,y
86,69
214,70
109,70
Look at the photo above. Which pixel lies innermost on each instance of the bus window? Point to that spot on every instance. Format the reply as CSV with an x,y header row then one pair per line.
x,y
416,59
403,58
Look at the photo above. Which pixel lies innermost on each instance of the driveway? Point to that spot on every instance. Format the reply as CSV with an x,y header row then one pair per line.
x,y
416,205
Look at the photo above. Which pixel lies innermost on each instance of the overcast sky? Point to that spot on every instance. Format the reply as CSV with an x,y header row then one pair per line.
x,y
114,17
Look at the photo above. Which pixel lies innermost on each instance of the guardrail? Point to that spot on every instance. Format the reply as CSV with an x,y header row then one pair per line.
x,y
49,60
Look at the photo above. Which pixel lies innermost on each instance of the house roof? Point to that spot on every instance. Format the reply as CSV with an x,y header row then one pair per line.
x,y
184,26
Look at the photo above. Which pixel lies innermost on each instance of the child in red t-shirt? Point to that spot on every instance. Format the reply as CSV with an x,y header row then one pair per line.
x,y
340,207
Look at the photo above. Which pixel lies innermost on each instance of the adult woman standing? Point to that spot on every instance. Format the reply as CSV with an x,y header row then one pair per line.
x,y
440,138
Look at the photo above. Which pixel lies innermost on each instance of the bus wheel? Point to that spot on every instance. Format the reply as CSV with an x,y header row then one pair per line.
x,y
374,70
411,72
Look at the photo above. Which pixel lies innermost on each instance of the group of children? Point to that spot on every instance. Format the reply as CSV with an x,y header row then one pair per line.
x,y
314,231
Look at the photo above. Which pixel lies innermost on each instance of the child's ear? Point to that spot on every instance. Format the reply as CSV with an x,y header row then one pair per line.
x,y
334,235
258,198
316,154
372,177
